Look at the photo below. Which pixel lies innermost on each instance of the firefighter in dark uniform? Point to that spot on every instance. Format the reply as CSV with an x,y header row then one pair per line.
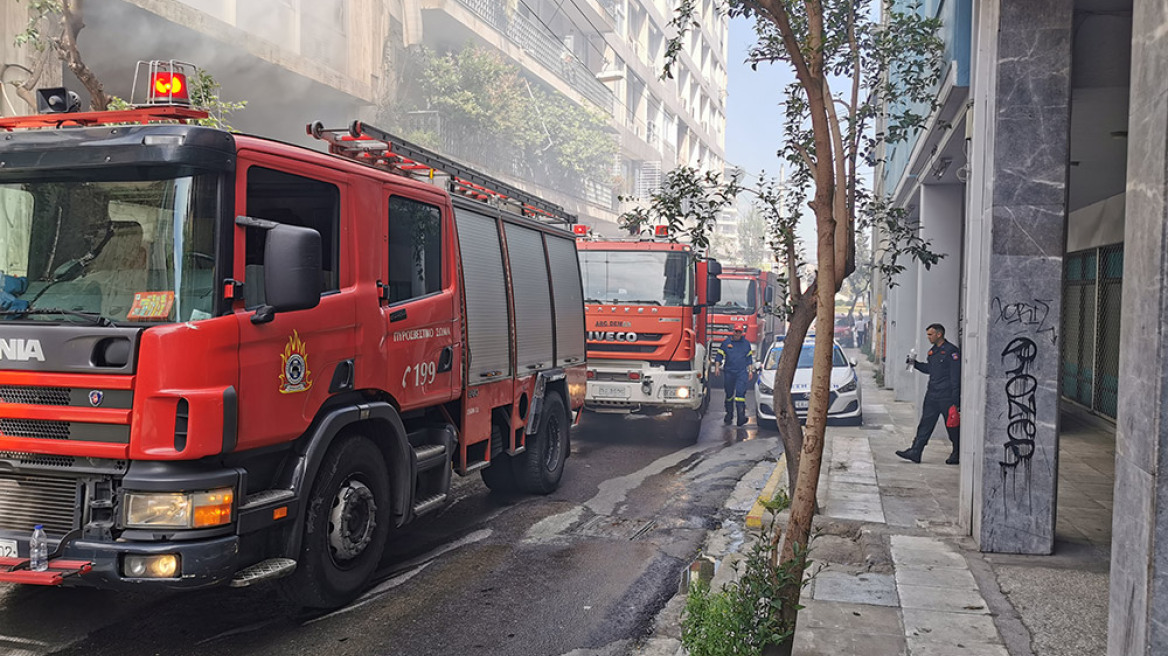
x,y
736,357
942,396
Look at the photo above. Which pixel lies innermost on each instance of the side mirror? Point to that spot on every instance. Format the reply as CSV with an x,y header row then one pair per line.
x,y
292,257
852,361
713,284
768,295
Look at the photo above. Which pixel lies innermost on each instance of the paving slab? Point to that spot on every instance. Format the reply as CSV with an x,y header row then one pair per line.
x,y
850,587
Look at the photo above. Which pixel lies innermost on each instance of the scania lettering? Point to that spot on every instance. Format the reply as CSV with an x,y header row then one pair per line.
x,y
229,359
658,291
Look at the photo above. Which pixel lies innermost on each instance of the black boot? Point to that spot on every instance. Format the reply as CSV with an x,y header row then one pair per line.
x,y
728,418
741,417
955,457
912,455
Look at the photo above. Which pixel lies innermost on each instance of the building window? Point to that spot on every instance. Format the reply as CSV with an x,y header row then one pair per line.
x,y
1092,292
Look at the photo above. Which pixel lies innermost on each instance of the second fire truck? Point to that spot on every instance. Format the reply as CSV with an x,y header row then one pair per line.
x,y
646,307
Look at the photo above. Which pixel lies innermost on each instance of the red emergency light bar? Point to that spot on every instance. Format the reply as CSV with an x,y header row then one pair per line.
x,y
660,231
580,230
143,115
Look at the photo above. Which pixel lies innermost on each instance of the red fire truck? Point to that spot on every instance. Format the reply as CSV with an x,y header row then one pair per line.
x,y
646,304
747,296
225,359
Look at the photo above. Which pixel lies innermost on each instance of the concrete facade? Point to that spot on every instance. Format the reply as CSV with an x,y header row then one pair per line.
x,y
1139,564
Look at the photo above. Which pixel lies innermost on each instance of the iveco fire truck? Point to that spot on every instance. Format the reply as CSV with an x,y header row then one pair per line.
x,y
225,359
646,303
747,296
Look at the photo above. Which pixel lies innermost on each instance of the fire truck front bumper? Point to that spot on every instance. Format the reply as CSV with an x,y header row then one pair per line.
x,y
643,390
168,564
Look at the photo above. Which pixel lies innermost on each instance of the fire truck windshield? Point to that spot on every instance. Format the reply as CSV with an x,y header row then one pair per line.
x,y
637,277
737,296
109,250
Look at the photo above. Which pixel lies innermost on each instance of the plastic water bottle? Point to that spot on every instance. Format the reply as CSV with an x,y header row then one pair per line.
x,y
38,550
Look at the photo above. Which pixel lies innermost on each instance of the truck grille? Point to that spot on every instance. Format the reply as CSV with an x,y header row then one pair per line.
x,y
39,428
28,500
34,395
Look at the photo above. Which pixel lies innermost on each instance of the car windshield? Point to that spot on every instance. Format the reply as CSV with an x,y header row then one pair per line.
x,y
637,277
805,357
109,249
737,296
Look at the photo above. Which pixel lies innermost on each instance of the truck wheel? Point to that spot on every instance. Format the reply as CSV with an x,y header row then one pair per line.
x,y
539,468
346,526
500,476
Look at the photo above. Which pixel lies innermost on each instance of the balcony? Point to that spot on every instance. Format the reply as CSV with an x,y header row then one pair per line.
x,y
545,47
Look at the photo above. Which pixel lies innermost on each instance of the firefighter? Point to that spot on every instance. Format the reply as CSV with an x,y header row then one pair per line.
x,y
738,357
942,396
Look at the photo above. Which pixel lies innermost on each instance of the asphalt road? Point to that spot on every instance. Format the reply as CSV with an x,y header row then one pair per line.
x,y
581,571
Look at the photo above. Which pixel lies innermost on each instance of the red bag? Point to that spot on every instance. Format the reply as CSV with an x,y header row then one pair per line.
x,y
954,418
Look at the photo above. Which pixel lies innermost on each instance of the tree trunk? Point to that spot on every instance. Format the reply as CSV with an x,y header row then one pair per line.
x,y
790,429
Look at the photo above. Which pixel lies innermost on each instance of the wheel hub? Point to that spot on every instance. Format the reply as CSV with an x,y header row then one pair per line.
x,y
352,520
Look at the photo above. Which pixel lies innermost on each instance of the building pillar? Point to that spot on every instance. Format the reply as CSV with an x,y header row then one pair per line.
x,y
902,330
1139,548
1010,405
939,286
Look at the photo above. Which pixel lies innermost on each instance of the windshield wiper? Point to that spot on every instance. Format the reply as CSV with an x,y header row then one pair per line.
x,y
635,302
95,317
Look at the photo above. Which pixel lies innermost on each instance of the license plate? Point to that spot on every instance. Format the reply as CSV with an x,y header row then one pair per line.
x,y
612,391
8,549
801,405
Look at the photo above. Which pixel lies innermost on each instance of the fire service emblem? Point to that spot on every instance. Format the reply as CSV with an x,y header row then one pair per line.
x,y
296,376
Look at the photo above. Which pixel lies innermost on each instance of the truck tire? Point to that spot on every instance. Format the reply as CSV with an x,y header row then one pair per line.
x,y
346,526
538,469
500,476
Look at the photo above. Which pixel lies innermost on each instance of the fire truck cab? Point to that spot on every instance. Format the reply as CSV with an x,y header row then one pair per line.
x,y
646,304
747,300
225,359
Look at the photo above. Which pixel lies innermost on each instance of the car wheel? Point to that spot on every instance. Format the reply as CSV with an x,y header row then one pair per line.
x,y
346,526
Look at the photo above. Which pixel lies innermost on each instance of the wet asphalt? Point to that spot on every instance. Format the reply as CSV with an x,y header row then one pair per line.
x,y
584,569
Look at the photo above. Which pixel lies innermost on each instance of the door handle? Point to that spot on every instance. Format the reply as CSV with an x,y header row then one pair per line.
x,y
445,359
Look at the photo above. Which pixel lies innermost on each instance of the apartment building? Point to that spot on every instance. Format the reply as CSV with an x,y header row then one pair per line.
x,y
295,61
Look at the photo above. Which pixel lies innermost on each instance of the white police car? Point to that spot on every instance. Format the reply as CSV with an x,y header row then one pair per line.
x,y
845,403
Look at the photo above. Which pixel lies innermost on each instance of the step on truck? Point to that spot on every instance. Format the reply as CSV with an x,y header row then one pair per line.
x,y
646,305
748,296
225,359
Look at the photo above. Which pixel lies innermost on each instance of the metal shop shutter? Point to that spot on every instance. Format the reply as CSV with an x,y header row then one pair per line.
x,y
485,288
535,334
569,299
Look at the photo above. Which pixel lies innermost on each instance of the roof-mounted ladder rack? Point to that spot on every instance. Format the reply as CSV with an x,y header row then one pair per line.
x,y
380,149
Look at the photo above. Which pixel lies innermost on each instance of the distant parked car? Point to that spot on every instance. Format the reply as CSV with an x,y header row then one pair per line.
x,y
845,406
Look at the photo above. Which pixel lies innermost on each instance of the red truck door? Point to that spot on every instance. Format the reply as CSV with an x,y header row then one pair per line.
x,y
423,337
286,365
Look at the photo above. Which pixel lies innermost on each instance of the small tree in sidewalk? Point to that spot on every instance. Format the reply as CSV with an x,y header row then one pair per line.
x,y
888,70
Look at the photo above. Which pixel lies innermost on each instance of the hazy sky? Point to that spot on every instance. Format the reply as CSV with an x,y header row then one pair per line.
x,y
754,117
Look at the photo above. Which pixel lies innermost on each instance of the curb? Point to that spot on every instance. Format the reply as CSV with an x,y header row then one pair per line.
x,y
754,517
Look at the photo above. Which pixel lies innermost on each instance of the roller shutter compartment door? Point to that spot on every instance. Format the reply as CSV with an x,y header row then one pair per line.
x,y
535,337
485,289
569,300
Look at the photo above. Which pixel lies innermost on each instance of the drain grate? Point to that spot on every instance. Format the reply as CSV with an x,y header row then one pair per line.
x,y
615,528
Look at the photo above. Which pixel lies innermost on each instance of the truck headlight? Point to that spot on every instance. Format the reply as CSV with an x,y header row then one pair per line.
x,y
676,392
178,509
849,386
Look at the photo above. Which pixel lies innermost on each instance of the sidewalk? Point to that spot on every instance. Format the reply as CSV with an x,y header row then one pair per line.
x,y
895,574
